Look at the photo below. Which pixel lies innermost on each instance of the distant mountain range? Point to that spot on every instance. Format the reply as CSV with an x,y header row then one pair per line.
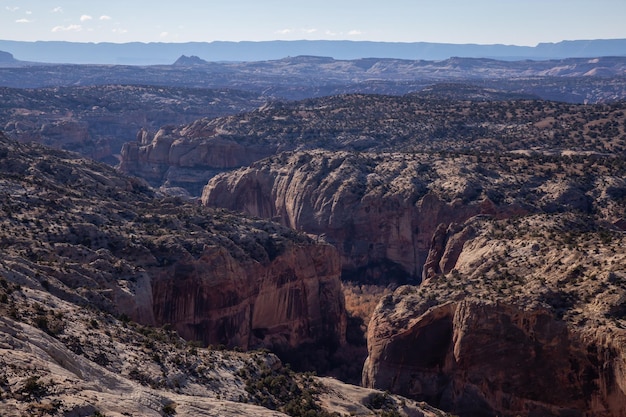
x,y
166,53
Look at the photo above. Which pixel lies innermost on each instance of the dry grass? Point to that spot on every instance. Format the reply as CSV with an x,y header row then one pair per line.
x,y
361,299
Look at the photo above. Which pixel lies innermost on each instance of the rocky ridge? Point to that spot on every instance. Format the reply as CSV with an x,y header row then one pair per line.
x,y
96,116
190,155
298,77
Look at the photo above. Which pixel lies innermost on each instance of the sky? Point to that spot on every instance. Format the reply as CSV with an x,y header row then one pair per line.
x,y
509,22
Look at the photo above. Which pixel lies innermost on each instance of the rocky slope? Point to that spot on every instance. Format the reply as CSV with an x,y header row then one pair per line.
x,y
530,321
97,238
190,155
395,217
59,358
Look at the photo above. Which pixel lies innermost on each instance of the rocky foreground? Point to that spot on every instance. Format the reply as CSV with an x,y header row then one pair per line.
x,y
100,278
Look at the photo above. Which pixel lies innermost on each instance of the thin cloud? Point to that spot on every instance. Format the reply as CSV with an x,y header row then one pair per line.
x,y
23,21
29,12
85,18
105,17
309,31
57,9
284,32
119,31
164,34
12,9
69,28
355,33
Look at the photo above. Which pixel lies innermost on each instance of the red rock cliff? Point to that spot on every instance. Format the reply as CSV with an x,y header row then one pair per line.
x,y
294,299
378,211
522,324
483,359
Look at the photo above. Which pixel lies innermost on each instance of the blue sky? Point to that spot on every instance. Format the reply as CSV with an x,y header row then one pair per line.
x,y
512,22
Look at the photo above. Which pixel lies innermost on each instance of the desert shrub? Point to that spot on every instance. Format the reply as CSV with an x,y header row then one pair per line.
x,y
281,389
384,403
34,388
169,409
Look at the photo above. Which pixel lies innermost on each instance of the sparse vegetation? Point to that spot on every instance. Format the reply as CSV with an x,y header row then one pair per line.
x,y
548,179
281,389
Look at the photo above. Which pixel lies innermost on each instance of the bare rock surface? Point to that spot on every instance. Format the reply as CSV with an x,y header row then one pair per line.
x,y
62,359
529,321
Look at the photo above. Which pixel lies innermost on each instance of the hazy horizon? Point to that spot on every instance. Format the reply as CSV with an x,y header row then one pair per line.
x,y
482,22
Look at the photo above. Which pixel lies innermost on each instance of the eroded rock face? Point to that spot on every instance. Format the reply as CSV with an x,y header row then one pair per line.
x,y
380,212
484,359
294,299
400,216
185,158
521,325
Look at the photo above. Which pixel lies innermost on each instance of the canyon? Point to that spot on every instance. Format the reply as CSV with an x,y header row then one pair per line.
x,y
519,307
94,263
480,224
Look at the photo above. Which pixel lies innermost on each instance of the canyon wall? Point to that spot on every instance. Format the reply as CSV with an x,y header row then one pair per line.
x,y
380,212
295,299
185,159
522,323
483,359
95,237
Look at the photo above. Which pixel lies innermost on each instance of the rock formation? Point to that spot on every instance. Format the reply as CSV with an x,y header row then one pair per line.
x,y
295,299
173,158
376,212
97,120
523,325
395,213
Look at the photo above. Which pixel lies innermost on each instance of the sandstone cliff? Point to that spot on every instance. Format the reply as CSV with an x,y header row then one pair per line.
x,y
530,321
294,299
392,216
183,158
